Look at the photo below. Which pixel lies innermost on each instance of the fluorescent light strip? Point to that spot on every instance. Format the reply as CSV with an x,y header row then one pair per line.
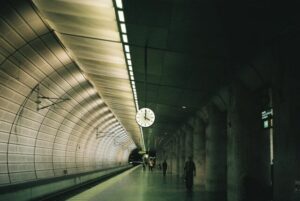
x,y
123,28
125,39
121,16
119,4
126,48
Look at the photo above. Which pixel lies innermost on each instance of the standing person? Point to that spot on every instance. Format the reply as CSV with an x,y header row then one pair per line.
x,y
189,173
151,165
164,167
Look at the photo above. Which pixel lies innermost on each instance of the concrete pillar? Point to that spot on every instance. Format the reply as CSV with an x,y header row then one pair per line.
x,y
165,155
245,149
286,129
178,154
169,157
216,159
182,153
199,150
174,157
187,129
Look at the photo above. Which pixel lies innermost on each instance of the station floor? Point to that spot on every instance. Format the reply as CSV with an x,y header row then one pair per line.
x,y
138,185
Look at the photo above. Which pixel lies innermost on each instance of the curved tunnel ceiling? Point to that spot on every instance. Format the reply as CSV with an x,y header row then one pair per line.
x,y
51,113
89,30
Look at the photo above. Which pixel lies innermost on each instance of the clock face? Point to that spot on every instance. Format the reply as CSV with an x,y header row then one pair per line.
x,y
145,117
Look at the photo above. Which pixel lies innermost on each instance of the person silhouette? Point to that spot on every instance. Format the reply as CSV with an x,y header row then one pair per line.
x,y
164,167
189,173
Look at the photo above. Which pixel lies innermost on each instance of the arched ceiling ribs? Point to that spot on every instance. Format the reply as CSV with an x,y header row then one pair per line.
x,y
91,137
103,62
87,117
109,130
91,127
45,113
109,133
88,140
106,146
76,123
88,133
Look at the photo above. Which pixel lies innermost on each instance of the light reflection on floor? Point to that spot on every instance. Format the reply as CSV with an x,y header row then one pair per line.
x,y
139,185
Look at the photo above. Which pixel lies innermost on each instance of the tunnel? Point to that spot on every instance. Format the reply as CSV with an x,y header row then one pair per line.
x,y
123,99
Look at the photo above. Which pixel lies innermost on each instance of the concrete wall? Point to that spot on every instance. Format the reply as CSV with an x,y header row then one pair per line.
x,y
199,150
215,149
286,98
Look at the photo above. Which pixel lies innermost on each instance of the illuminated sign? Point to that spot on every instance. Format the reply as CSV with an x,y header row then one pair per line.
x,y
267,118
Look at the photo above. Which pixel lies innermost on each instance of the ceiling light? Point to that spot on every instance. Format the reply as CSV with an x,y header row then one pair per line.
x,y
121,16
129,62
119,4
125,39
130,68
123,27
127,48
183,107
131,77
128,56
130,73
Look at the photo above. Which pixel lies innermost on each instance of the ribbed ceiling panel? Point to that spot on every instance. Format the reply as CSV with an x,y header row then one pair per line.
x,y
89,31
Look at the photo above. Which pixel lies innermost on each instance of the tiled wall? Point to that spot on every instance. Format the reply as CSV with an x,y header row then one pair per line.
x,y
60,139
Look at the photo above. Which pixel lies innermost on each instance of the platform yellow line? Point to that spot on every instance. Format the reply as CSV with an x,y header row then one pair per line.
x,y
94,191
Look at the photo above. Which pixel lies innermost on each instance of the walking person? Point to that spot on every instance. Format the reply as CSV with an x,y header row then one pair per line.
x,y
164,167
189,173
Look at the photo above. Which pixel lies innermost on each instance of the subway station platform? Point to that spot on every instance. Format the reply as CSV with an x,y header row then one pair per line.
x,y
138,185
90,87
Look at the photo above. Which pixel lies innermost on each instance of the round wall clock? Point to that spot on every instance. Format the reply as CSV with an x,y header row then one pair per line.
x,y
145,117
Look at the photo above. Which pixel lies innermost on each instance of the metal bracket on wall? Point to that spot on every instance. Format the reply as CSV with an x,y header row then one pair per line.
x,y
40,98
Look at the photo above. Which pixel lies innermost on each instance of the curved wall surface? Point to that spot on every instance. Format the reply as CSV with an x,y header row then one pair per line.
x,y
53,122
